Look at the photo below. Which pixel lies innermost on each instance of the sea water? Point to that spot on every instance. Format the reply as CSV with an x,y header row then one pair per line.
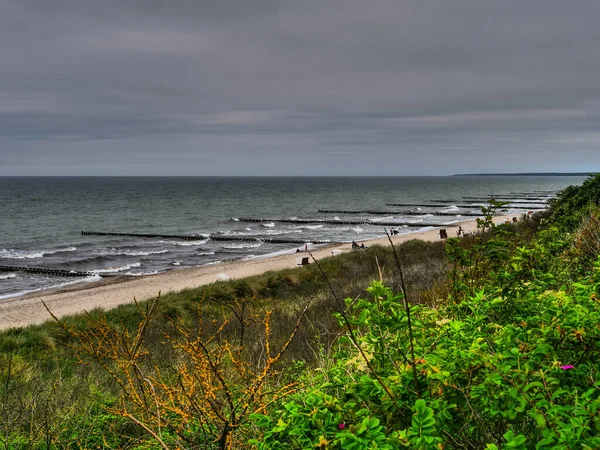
x,y
41,219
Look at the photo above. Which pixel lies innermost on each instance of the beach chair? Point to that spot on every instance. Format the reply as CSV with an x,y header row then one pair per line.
x,y
303,262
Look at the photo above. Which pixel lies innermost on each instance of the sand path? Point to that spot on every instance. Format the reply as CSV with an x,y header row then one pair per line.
x,y
25,310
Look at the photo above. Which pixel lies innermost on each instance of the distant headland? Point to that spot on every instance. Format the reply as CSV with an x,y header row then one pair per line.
x,y
527,174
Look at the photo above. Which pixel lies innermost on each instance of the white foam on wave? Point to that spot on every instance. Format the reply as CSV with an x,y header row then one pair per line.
x,y
90,279
212,263
120,252
275,233
7,276
10,253
336,218
268,224
143,274
185,243
241,245
205,253
270,232
116,269
308,227
380,219
357,229
450,208
235,219
176,262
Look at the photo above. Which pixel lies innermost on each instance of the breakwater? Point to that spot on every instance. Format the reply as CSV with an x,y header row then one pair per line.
x,y
346,222
49,271
427,205
407,212
196,237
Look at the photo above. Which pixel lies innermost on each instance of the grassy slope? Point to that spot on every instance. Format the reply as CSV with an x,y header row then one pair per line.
x,y
39,367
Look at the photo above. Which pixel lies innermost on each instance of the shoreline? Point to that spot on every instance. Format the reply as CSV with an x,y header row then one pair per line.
x,y
111,292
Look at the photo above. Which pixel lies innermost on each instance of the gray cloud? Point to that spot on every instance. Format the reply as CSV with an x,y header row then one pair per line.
x,y
340,87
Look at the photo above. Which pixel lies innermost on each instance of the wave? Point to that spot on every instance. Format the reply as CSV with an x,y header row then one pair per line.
x,y
212,263
268,224
204,254
176,262
10,253
184,243
451,208
235,219
379,219
116,269
7,276
338,229
289,230
90,279
241,245
143,274
308,227
122,252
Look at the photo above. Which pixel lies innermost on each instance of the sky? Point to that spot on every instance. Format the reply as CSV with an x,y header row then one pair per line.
x,y
298,87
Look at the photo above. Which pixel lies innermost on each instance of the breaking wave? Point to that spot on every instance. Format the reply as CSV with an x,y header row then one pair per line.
x,y
7,276
116,269
10,253
123,252
241,245
185,243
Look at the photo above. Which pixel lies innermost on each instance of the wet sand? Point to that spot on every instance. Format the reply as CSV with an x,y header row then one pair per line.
x,y
111,292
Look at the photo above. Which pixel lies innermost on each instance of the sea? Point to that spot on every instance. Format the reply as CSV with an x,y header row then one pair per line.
x,y
198,221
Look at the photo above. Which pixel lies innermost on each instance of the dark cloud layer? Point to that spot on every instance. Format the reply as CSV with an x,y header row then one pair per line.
x,y
328,87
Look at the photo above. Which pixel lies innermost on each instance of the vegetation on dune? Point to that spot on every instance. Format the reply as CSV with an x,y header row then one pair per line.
x,y
490,341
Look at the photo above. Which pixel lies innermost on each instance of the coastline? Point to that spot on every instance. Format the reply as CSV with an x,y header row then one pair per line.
x,y
110,293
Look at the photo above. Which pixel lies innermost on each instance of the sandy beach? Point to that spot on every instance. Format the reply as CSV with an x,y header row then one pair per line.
x,y
26,310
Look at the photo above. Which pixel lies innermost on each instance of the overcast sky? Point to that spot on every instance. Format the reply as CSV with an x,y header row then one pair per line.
x,y
298,87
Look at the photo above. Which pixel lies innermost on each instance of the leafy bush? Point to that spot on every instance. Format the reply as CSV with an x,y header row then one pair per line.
x,y
529,382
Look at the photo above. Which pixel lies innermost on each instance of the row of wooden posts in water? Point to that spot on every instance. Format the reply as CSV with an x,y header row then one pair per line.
x,y
200,237
50,271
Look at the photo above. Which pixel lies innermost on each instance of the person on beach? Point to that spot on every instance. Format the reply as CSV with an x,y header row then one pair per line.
x,y
306,248
354,245
460,231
